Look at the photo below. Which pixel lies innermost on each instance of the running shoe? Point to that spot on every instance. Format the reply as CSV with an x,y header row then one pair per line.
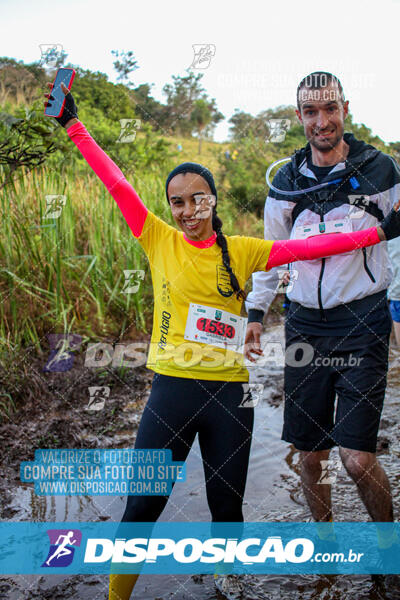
x,y
231,587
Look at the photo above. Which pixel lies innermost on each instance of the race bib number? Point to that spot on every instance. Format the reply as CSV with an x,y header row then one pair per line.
x,y
341,226
215,327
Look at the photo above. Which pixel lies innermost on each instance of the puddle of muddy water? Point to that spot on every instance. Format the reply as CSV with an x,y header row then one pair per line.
x,y
273,493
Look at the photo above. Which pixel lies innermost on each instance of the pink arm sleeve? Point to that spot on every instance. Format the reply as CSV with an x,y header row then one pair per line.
x,y
131,206
319,246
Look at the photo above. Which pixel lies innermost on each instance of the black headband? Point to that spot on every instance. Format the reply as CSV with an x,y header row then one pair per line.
x,y
191,167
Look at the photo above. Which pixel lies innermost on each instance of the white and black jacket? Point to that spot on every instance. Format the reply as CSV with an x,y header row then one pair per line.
x,y
369,186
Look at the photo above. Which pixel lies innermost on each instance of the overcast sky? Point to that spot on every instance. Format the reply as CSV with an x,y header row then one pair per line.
x,y
262,49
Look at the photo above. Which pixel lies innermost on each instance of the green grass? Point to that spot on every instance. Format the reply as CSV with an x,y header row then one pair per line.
x,y
63,274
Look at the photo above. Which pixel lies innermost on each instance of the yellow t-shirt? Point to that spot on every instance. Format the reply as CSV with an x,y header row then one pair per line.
x,y
182,274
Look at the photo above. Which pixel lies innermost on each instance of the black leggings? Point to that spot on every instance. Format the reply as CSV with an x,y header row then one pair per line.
x,y
179,408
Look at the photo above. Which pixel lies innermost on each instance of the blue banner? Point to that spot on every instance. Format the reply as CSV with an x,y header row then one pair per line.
x,y
258,548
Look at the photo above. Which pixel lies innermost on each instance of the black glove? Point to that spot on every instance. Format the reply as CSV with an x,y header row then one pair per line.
x,y
69,111
391,224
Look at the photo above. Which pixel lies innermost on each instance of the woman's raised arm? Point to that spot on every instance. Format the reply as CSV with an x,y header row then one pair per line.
x,y
329,244
320,246
124,194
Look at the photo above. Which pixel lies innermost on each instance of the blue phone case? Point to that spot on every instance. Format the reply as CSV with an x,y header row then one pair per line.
x,y
65,76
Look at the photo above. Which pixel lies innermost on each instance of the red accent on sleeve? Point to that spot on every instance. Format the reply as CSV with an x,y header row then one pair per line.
x,y
131,206
320,246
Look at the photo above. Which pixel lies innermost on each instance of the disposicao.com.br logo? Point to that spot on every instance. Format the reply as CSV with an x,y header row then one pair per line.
x,y
193,550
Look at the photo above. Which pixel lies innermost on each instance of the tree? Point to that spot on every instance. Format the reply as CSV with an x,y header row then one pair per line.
x,y
203,117
241,124
25,144
216,116
124,65
93,90
181,96
18,82
149,109
259,126
54,57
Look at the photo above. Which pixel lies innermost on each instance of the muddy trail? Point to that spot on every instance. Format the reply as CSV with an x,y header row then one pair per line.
x,y
60,419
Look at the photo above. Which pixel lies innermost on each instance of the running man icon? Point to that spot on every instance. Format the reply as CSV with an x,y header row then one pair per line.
x,y
61,551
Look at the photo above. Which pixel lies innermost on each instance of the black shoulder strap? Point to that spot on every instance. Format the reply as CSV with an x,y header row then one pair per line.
x,y
323,201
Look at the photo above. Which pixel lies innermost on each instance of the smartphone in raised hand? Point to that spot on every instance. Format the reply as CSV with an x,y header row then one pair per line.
x,y
66,76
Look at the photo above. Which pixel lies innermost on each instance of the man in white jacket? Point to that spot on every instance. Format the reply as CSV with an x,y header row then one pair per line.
x,y
338,324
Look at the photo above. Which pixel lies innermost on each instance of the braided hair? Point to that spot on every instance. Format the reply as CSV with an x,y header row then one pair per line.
x,y
222,243
199,169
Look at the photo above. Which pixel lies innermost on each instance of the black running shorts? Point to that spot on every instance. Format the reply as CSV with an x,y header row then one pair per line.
x,y
334,390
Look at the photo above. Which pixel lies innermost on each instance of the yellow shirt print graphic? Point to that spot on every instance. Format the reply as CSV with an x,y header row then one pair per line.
x,y
224,281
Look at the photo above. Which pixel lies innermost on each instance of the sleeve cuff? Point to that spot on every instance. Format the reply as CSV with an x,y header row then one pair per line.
x,y
255,316
75,127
